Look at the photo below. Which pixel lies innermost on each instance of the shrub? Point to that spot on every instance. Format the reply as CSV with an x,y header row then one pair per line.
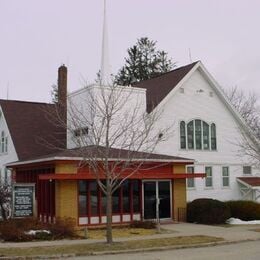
x,y
14,229
207,211
244,210
143,224
63,228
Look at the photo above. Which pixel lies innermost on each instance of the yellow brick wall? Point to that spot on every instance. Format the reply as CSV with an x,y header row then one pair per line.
x,y
66,199
65,168
66,192
179,193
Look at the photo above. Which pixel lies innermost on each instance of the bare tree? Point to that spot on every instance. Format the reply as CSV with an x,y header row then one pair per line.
x,y
5,199
248,106
103,118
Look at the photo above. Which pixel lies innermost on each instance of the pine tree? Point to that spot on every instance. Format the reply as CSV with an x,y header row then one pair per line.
x,y
143,61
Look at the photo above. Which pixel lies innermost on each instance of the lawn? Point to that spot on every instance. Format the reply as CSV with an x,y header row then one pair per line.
x,y
88,249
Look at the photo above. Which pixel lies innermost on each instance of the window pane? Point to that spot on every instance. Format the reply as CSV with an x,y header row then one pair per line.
x,y
225,176
246,169
208,180
115,201
190,181
126,197
213,137
205,136
93,198
136,196
182,135
82,198
103,202
198,133
190,135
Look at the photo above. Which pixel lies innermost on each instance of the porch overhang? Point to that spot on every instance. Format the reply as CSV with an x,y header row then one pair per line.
x,y
249,185
139,176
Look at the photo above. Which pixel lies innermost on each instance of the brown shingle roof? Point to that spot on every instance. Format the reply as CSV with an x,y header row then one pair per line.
x,y
159,87
252,181
30,127
98,152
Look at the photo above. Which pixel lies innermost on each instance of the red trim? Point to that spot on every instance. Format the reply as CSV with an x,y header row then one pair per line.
x,y
147,175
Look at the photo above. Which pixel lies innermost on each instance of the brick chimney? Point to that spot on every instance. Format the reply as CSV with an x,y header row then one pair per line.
x,y
62,91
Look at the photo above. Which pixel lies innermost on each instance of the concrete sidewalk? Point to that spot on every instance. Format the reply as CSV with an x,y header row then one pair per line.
x,y
230,234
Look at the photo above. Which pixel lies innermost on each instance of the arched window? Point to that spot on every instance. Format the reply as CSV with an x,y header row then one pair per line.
x,y
205,136
198,134
213,137
190,132
183,135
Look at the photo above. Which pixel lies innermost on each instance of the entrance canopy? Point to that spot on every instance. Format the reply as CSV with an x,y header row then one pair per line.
x,y
249,187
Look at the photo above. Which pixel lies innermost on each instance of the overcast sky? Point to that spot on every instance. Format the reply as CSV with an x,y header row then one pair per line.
x,y
38,36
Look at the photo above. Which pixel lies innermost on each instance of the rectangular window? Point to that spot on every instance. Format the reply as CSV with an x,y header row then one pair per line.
x,y
190,181
116,201
93,188
183,135
225,176
136,195
247,170
126,197
82,198
208,179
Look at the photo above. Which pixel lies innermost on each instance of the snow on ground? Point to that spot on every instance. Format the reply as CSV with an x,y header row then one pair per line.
x,y
237,221
34,232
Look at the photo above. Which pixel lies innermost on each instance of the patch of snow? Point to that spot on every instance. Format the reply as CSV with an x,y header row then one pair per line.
x,y
237,221
34,232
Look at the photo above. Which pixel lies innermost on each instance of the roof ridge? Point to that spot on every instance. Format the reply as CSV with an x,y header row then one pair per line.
x,y
168,72
24,101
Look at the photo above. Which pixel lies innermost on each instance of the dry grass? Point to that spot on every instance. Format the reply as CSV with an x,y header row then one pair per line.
x,y
117,232
87,249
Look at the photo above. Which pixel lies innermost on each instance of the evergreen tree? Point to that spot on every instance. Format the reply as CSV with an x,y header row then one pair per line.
x,y
143,62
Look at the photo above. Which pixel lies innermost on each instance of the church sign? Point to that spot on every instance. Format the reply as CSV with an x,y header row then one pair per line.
x,y
23,200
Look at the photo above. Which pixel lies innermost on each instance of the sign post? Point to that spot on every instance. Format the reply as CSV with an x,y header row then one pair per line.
x,y
23,200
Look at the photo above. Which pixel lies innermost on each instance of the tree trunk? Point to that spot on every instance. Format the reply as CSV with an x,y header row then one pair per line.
x,y
109,214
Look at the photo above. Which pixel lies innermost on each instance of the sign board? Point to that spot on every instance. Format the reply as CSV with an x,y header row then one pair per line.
x,y
23,200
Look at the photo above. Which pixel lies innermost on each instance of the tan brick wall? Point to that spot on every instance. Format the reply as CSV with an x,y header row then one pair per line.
x,y
179,195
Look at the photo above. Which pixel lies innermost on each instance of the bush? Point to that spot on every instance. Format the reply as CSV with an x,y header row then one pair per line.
x,y
63,228
143,224
15,229
244,210
207,211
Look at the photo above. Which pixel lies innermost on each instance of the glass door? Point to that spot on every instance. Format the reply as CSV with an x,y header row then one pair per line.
x,y
157,191
149,188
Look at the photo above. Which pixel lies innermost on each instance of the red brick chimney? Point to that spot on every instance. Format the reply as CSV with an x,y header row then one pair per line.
x,y
62,91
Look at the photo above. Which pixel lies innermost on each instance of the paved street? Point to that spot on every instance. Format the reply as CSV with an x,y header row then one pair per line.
x,y
236,251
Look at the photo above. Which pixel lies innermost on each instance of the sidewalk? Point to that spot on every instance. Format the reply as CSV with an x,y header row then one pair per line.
x,y
230,234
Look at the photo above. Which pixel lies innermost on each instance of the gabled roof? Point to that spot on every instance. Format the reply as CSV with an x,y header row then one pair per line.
x,y
98,153
31,129
159,87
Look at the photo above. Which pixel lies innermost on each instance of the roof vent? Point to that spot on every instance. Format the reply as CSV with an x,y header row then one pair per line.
x,y
181,90
211,94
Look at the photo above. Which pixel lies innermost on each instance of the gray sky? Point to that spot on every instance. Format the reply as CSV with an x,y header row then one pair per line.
x,y
38,36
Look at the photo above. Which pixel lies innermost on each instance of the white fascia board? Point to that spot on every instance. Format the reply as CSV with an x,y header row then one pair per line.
x,y
9,165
